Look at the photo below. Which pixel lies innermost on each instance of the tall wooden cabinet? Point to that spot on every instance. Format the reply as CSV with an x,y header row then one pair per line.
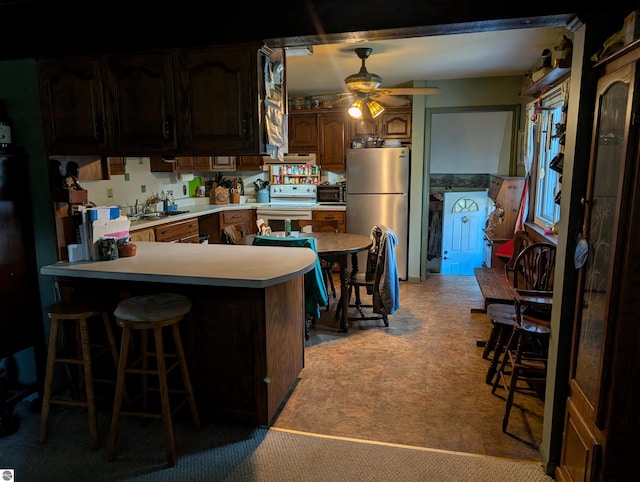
x,y
602,420
506,193
21,320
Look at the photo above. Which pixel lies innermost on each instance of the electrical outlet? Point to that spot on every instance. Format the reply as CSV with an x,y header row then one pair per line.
x,y
143,188
126,176
109,192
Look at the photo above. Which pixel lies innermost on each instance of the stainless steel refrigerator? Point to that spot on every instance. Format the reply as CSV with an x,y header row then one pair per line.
x,y
378,193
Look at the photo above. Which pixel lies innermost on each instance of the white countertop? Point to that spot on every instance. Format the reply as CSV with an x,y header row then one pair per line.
x,y
204,209
192,263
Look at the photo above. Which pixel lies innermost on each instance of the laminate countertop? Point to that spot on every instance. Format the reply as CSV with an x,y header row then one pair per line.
x,y
192,263
206,209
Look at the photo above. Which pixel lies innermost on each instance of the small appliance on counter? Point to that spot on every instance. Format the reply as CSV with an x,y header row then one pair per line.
x,y
332,193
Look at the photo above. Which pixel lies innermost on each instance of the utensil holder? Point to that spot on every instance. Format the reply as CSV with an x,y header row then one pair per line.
x,y
235,197
262,196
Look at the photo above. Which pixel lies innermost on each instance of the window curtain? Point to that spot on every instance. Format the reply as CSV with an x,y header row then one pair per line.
x,y
528,153
529,150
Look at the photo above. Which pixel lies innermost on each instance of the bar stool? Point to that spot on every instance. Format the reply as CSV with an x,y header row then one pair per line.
x,y
501,316
80,314
144,314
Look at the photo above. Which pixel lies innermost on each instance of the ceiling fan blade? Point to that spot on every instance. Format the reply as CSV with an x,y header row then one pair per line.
x,y
409,91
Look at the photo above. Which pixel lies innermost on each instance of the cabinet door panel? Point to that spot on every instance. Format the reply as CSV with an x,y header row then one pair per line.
x,y
332,141
72,106
303,133
218,114
140,88
396,125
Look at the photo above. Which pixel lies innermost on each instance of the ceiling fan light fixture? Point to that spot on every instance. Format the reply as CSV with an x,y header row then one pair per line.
x,y
355,110
363,80
375,108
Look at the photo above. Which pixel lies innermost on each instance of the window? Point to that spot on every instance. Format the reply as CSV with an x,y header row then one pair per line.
x,y
546,126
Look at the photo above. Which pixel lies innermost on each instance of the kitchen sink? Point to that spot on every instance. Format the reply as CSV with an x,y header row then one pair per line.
x,y
158,214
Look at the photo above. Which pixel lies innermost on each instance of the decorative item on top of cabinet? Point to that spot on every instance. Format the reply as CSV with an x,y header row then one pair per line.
x,y
332,141
139,91
340,216
72,103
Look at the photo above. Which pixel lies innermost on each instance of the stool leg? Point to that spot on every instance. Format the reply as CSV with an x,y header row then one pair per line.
x,y
144,344
110,337
48,379
164,397
117,399
88,381
195,416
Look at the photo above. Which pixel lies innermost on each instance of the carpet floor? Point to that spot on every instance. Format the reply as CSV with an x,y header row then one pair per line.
x,y
408,402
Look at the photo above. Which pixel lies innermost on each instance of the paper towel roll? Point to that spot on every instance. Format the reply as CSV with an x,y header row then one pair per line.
x,y
184,177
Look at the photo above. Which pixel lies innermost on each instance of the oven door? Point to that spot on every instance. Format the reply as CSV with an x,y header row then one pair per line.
x,y
275,216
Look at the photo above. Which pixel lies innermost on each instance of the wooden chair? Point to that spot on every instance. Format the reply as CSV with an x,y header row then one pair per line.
x,y
316,226
233,233
501,314
524,362
372,278
315,289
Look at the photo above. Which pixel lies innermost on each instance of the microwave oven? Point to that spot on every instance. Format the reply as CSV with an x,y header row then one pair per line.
x,y
332,193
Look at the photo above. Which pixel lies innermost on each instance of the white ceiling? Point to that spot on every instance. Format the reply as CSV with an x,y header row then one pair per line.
x,y
401,61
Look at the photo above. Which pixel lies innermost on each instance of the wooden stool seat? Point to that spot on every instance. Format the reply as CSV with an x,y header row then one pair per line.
x,y
80,314
142,314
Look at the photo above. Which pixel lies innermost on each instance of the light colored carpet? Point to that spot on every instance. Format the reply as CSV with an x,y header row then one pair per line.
x,y
233,453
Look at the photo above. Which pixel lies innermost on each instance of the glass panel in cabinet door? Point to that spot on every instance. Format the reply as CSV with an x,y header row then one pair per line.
x,y
601,225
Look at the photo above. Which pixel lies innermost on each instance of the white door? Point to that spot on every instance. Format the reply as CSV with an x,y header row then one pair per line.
x,y
464,217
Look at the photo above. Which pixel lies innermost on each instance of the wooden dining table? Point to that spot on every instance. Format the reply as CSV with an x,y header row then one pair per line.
x,y
335,248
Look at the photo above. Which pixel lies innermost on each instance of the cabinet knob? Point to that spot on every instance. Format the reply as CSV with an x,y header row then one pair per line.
x,y
168,127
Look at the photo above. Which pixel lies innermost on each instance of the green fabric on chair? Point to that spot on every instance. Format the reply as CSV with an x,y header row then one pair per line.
x,y
315,291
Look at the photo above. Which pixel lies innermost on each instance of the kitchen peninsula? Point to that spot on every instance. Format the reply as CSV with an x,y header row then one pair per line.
x,y
244,337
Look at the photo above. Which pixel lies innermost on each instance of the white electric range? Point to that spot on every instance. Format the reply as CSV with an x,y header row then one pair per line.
x,y
288,201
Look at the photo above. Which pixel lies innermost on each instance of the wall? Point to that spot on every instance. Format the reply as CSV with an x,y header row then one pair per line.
x,y
19,90
453,93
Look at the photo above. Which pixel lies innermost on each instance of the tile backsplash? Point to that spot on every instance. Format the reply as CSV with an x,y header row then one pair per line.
x,y
140,183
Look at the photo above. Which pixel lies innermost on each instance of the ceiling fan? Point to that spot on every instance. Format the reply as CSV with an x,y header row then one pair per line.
x,y
365,86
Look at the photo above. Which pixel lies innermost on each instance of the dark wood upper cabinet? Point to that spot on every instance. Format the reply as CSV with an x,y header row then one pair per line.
x,y
332,141
393,123
141,101
218,105
303,132
72,105
191,102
